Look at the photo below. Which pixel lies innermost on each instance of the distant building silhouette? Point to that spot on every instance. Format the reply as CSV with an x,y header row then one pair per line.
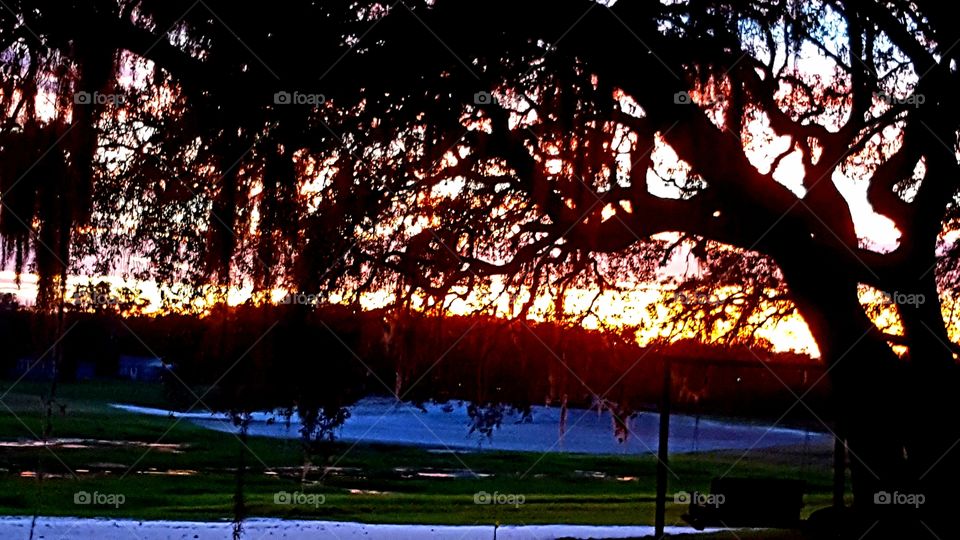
x,y
85,371
31,368
141,368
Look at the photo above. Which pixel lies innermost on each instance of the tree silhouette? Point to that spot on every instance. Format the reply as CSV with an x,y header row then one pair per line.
x,y
435,148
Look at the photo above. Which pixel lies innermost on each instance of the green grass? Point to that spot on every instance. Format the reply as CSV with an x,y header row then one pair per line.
x,y
370,484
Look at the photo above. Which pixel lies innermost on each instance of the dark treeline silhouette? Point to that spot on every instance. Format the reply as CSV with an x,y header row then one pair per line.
x,y
251,358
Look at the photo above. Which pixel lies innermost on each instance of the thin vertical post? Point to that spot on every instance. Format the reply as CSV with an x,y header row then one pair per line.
x,y
839,471
663,454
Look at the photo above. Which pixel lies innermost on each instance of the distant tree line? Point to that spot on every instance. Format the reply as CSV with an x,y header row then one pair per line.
x,y
321,359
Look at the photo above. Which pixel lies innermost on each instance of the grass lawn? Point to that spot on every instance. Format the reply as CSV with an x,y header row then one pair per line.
x,y
193,473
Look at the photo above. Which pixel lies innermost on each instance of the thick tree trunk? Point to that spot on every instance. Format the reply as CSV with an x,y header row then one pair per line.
x,y
867,382
933,385
922,318
899,416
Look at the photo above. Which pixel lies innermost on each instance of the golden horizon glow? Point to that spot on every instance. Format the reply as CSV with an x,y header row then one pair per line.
x,y
615,309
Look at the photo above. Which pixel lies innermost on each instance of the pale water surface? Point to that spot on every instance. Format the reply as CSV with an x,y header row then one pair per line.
x,y
382,420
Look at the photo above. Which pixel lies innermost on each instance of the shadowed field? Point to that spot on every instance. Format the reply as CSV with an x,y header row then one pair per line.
x,y
170,469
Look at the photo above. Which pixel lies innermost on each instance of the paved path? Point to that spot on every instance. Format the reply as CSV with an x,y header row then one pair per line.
x,y
18,528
